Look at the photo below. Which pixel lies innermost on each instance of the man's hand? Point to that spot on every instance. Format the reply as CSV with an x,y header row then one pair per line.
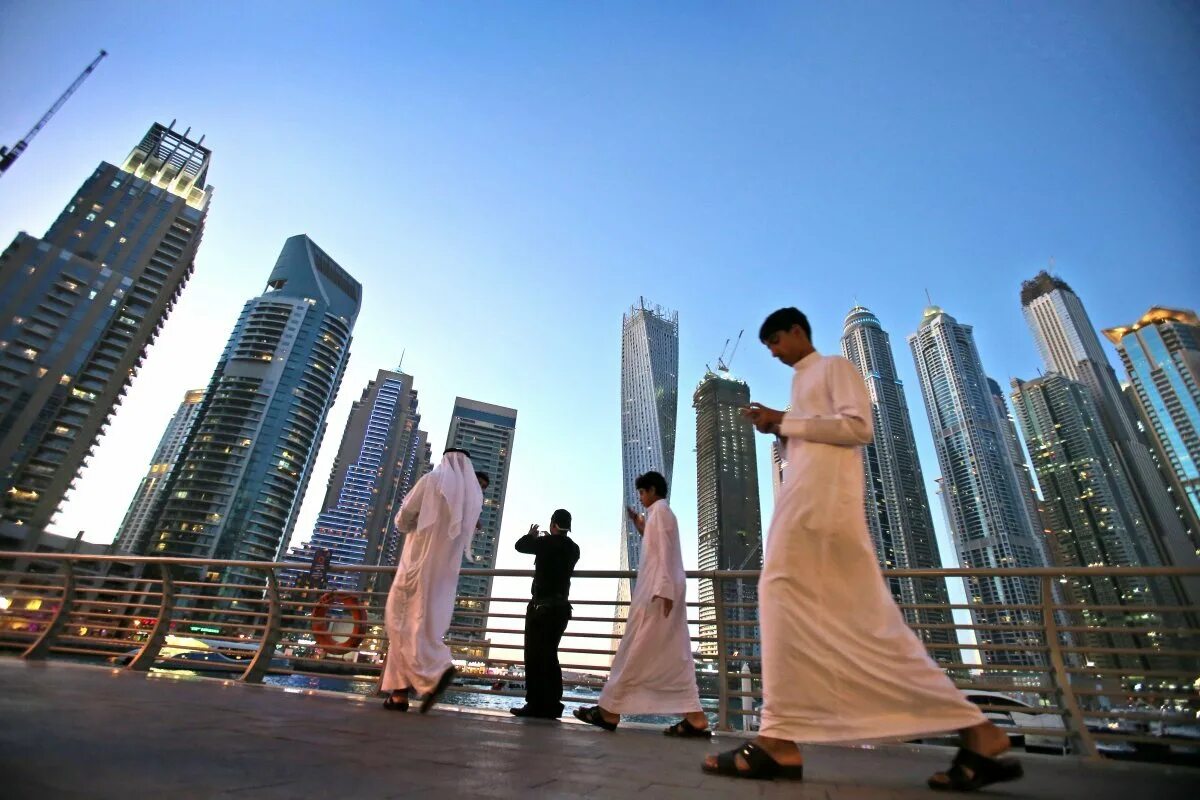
x,y
668,604
637,519
764,420
533,529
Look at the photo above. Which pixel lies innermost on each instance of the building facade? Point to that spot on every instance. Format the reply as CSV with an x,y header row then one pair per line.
x,y
729,520
131,538
897,507
983,500
1070,346
236,488
80,306
377,464
649,409
486,431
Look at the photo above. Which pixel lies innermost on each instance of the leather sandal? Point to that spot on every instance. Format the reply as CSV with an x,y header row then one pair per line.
x,y
759,765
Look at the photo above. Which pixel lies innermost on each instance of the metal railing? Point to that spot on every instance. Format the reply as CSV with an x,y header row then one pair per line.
x,y
1090,678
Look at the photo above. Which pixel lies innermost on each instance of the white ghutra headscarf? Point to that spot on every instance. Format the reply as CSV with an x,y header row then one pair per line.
x,y
454,481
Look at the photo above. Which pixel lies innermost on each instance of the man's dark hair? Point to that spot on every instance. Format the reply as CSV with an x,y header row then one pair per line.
x,y
781,321
652,480
562,518
483,476
448,450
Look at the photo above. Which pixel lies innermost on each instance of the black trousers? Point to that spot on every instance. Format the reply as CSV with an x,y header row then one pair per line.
x,y
544,626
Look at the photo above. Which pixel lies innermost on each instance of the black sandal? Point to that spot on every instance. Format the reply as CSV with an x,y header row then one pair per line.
x,y
592,716
686,730
392,704
759,765
970,771
443,682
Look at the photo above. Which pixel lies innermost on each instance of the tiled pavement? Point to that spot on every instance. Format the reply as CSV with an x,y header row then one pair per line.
x,y
70,731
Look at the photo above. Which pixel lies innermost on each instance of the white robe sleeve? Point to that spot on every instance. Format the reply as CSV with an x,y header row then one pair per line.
x,y
666,535
410,509
850,423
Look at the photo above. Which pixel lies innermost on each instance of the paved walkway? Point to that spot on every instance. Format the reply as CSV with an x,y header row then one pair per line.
x,y
70,731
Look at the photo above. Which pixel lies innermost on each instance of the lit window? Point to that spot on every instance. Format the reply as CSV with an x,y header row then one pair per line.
x,y
31,270
64,380
121,240
91,217
41,372
18,320
30,353
110,223
115,184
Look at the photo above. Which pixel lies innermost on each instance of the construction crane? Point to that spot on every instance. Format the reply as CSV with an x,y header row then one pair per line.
x,y
7,157
722,364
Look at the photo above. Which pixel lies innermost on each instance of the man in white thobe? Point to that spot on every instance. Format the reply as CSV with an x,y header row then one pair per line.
x,y
653,671
439,515
839,662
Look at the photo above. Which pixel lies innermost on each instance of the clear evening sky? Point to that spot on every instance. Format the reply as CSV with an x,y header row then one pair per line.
x,y
506,178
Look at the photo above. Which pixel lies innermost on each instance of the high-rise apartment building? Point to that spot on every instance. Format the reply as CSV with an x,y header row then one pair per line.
x,y
649,407
897,507
1070,346
729,520
80,306
236,488
1161,353
131,538
1086,506
988,516
486,431
378,462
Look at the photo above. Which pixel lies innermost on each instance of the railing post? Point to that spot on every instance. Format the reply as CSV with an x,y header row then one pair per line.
x,y
1061,679
270,637
722,658
41,648
145,658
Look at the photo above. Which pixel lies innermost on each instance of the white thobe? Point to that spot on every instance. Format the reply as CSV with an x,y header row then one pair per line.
x,y
420,604
653,671
839,662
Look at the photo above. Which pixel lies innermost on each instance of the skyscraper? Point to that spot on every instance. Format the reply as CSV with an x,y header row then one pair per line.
x,y
729,521
897,507
236,488
979,486
131,538
649,404
1161,353
1070,346
1087,505
378,462
1016,457
80,306
486,431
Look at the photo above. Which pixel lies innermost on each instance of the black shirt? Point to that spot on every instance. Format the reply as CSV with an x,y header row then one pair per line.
x,y
555,558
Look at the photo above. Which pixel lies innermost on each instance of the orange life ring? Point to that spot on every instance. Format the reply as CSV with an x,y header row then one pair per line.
x,y
320,623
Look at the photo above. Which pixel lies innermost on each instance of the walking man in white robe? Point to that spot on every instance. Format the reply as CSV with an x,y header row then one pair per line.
x,y
839,662
653,671
439,514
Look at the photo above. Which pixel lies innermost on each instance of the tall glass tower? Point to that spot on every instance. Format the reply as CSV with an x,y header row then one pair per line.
x,y
1086,507
236,488
649,404
1070,346
131,538
988,516
80,306
729,521
376,466
486,431
898,515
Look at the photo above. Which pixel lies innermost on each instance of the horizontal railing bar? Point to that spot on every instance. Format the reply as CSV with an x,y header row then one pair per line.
x,y
1143,716
82,651
199,666
1131,672
56,586
1144,739
1134,651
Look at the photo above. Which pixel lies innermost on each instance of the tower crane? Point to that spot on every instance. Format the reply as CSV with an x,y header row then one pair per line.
x,y
722,364
7,157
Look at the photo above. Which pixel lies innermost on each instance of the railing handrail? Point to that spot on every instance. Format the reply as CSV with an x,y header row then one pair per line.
x,y
945,572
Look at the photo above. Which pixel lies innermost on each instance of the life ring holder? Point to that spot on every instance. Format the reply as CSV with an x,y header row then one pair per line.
x,y
320,622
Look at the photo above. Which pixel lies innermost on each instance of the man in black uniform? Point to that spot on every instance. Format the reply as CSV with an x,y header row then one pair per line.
x,y
547,615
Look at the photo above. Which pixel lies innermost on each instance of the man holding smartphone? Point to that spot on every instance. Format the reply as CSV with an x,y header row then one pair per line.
x,y
555,556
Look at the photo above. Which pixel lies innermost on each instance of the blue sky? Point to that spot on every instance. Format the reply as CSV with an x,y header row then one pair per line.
x,y
505,179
